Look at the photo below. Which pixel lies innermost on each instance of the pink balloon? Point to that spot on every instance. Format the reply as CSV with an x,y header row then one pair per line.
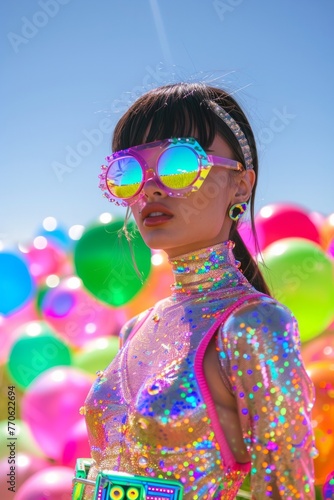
x,y
25,466
10,329
76,444
319,349
278,221
246,233
51,406
331,248
317,218
45,261
77,316
53,483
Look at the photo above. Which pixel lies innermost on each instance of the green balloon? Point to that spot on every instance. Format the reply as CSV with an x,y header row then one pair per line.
x,y
105,261
35,351
301,276
97,354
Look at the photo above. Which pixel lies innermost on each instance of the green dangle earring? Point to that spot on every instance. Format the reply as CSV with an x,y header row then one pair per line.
x,y
237,210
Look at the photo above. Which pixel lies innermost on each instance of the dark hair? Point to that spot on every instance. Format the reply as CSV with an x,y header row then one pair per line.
x,y
180,110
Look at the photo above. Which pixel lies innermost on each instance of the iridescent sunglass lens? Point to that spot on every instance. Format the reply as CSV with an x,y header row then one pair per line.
x,y
124,177
178,167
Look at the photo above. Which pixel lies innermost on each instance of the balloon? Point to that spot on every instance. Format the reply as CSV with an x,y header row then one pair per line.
x,y
35,351
25,466
26,443
319,349
51,406
57,236
9,330
157,286
49,259
277,221
103,260
16,283
327,231
317,218
322,376
300,275
53,483
328,488
331,248
246,233
76,444
5,383
76,315
96,354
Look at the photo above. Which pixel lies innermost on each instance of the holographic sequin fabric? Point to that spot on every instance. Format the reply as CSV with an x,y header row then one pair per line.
x,y
150,412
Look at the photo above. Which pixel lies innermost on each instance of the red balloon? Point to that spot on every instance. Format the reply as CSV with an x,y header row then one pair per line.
x,y
277,221
53,483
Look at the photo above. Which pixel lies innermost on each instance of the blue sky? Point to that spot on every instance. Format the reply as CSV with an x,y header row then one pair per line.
x,y
70,68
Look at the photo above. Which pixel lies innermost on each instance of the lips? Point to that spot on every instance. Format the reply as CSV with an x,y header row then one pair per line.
x,y
155,213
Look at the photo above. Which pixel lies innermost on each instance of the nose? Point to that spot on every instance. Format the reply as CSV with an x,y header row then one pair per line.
x,y
151,190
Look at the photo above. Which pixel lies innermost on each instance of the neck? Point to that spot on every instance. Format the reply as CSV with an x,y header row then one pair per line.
x,y
207,270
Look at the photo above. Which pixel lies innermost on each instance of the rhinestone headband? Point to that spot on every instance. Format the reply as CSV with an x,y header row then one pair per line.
x,y
232,124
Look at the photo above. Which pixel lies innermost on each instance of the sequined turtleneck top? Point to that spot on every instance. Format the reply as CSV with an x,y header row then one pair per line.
x,y
150,412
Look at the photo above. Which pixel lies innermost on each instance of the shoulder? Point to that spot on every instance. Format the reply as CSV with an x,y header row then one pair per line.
x,y
260,318
262,309
131,325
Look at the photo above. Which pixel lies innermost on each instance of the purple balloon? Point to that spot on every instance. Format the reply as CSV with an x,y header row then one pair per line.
x,y
53,483
51,406
328,488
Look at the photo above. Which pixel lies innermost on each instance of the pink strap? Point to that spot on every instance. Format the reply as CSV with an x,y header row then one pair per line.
x,y
227,455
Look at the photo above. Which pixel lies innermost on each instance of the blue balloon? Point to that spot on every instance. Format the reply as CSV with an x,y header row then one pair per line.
x,y
16,283
57,236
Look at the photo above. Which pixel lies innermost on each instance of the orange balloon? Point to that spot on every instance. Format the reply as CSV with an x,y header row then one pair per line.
x,y
322,376
327,231
156,288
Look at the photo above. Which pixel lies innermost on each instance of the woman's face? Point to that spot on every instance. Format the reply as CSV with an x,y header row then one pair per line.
x,y
182,225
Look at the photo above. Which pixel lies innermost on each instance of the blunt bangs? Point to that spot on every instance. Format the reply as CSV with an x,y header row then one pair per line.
x,y
169,111
181,110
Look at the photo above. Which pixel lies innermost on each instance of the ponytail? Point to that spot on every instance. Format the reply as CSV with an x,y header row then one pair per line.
x,y
249,267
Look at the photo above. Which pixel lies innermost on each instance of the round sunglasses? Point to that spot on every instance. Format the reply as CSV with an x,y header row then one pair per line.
x,y
179,166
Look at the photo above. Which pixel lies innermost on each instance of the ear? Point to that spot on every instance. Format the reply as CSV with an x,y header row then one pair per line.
x,y
244,183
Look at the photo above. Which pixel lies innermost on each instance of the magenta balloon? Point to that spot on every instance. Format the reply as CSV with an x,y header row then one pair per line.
x,y
246,233
278,221
45,261
331,248
53,483
25,466
51,406
76,444
76,315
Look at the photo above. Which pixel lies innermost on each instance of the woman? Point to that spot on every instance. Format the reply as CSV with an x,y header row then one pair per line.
x,y
209,384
